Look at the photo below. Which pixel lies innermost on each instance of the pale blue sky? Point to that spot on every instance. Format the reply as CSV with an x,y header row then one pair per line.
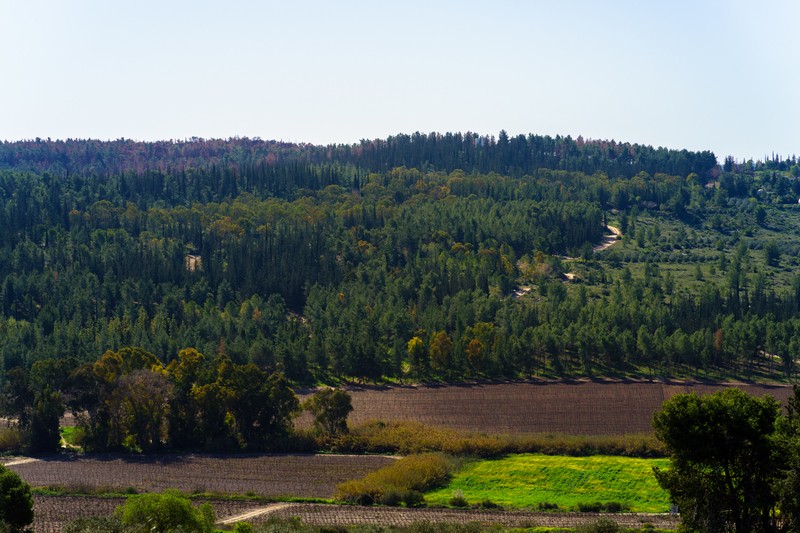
x,y
718,75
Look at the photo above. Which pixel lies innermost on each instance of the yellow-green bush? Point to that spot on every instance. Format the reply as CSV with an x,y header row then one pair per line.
x,y
412,438
12,440
415,473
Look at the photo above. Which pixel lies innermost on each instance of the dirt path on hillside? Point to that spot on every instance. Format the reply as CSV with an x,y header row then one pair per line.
x,y
608,240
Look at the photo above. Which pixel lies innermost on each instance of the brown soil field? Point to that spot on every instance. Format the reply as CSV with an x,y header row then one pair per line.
x,y
340,515
576,408
307,476
53,512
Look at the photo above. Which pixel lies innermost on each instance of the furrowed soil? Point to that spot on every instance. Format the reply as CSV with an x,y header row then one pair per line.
x,y
304,476
53,512
574,408
330,515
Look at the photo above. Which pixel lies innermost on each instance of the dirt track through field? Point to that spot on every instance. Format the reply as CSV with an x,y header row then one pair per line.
x,y
576,408
249,515
20,461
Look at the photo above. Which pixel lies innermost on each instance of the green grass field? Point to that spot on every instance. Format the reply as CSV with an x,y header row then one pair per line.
x,y
529,480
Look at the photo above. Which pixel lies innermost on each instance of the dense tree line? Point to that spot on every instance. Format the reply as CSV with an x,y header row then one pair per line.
x,y
130,399
509,155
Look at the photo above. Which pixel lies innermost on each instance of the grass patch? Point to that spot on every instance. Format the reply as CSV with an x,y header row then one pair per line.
x,y
527,481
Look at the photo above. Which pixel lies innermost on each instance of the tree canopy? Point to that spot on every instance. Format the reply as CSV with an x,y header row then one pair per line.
x,y
733,462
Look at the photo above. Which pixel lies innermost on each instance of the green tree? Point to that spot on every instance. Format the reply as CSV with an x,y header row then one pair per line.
x,y
772,254
330,408
185,372
47,412
441,350
17,397
262,404
726,464
417,355
16,502
142,399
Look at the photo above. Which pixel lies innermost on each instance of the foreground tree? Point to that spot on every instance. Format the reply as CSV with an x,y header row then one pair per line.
x,y
16,503
729,462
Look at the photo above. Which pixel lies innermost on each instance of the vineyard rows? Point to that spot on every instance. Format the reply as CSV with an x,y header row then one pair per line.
x,y
308,476
52,512
575,408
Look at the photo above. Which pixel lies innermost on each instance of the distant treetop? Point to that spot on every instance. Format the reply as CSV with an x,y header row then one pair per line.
x,y
516,156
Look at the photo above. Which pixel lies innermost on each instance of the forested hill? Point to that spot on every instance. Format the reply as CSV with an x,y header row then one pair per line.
x,y
439,256
514,156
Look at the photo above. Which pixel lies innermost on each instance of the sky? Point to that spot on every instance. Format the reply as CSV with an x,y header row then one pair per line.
x,y
701,75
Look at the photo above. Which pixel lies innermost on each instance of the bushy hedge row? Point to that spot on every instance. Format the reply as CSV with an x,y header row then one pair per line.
x,y
403,437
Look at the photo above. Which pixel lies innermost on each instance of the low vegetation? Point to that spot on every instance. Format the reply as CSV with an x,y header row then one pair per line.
x,y
404,481
405,438
587,484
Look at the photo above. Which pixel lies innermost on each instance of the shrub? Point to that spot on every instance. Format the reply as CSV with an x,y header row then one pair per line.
x,y
165,512
406,437
358,491
98,524
438,527
391,497
243,527
413,498
590,507
487,504
415,472
547,506
613,507
16,503
458,500
12,440
602,525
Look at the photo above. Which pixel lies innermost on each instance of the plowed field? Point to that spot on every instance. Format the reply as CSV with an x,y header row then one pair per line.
x,y
577,408
53,512
310,476
331,515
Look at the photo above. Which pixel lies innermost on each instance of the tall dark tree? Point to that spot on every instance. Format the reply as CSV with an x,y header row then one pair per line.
x,y
727,463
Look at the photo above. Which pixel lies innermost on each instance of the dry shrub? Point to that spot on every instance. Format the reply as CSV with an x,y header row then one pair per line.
x,y
359,491
413,437
12,440
417,473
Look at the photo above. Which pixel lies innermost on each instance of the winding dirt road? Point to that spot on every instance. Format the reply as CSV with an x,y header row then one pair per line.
x,y
608,240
